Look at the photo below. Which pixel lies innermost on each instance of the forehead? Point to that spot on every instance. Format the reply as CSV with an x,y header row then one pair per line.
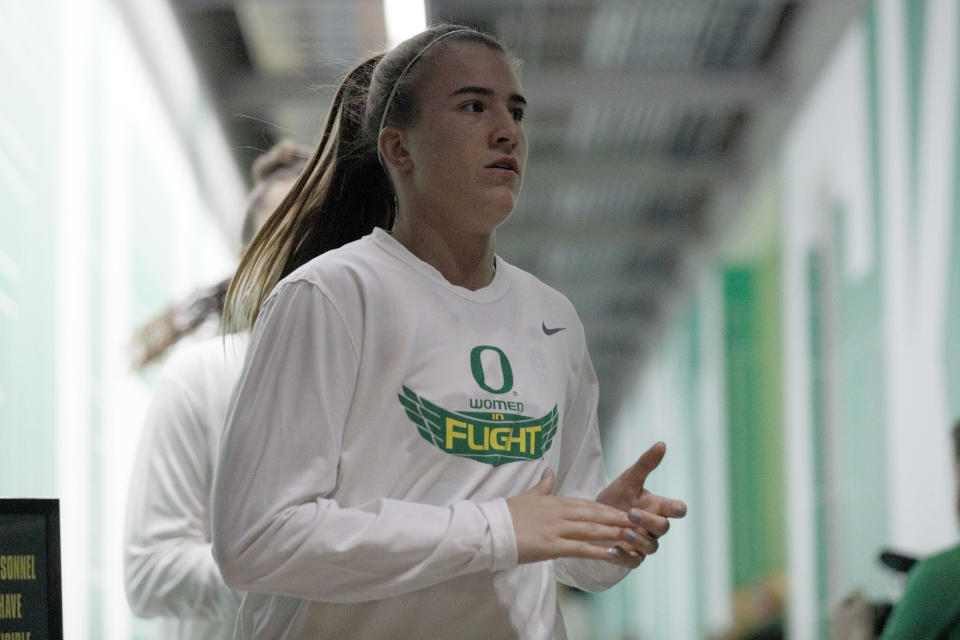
x,y
465,63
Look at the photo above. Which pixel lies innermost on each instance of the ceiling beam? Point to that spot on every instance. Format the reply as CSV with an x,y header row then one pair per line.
x,y
548,85
552,85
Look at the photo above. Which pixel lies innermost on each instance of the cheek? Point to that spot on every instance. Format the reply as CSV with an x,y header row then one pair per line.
x,y
439,149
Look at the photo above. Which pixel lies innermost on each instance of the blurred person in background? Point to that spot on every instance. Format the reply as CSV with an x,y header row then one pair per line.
x,y
168,565
929,608
410,401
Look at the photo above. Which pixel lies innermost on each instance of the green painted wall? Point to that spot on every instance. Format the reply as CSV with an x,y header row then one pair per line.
x,y
755,432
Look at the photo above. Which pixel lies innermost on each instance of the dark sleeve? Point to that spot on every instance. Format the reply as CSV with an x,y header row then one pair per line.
x,y
930,605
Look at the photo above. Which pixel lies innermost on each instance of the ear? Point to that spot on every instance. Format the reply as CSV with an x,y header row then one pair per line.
x,y
393,149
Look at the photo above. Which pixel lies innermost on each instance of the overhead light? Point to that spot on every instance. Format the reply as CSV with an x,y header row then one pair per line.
x,y
403,18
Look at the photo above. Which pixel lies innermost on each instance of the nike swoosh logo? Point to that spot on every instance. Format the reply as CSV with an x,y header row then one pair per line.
x,y
550,332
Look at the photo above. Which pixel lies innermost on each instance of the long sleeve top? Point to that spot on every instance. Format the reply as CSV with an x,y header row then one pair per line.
x,y
169,568
382,418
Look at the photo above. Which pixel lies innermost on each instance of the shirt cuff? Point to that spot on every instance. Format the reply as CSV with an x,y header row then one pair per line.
x,y
589,575
503,539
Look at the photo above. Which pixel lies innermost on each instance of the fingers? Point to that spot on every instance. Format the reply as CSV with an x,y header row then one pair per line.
x,y
624,557
631,538
653,523
548,526
650,460
597,524
614,554
637,540
595,534
588,510
640,541
673,508
647,528
628,551
666,507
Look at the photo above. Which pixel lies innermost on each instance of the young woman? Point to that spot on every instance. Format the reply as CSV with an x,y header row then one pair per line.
x,y
169,569
410,402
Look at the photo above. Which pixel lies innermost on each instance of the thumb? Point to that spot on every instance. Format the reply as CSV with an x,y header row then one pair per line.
x,y
650,460
545,486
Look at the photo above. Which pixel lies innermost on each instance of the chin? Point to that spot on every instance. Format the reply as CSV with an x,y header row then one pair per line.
x,y
490,212
504,204
501,215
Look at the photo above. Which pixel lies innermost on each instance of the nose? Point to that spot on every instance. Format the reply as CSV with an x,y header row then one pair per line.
x,y
508,132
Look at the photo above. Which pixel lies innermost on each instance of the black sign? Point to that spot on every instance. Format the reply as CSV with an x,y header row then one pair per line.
x,y
30,587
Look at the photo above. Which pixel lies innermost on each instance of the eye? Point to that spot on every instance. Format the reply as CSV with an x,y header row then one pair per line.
x,y
517,113
474,106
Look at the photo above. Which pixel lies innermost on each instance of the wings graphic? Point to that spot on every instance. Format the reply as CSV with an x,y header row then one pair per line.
x,y
427,416
492,438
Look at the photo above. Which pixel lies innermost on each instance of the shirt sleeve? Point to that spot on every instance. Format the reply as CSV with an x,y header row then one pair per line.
x,y
928,607
169,568
276,527
581,475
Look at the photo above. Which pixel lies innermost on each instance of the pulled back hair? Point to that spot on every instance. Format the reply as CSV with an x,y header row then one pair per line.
x,y
154,339
344,192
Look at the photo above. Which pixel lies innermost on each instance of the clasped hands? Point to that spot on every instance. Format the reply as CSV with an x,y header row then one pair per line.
x,y
621,526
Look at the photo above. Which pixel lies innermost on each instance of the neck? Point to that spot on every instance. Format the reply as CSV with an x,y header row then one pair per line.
x,y
463,259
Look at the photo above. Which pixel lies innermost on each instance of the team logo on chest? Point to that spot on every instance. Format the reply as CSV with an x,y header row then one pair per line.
x,y
497,435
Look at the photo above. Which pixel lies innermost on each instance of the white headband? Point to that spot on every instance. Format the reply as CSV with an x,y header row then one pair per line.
x,y
393,91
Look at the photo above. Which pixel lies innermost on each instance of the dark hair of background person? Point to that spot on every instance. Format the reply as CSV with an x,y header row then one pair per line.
x,y
284,161
345,191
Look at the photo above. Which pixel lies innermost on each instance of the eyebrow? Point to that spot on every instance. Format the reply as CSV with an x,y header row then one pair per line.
x,y
515,98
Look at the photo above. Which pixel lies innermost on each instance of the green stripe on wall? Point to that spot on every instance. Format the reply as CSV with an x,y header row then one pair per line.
x,y
754,423
818,433
915,11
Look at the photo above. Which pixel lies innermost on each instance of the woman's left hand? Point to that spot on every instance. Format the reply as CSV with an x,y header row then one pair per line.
x,y
648,511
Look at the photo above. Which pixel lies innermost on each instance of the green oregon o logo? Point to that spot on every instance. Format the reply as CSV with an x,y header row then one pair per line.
x,y
477,368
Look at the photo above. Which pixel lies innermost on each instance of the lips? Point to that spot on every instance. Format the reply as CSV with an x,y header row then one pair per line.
x,y
507,162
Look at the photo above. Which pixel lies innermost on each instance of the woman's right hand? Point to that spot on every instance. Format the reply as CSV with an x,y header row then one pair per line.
x,y
548,526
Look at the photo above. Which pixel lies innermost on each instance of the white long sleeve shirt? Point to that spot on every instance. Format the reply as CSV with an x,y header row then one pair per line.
x,y
168,564
382,417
